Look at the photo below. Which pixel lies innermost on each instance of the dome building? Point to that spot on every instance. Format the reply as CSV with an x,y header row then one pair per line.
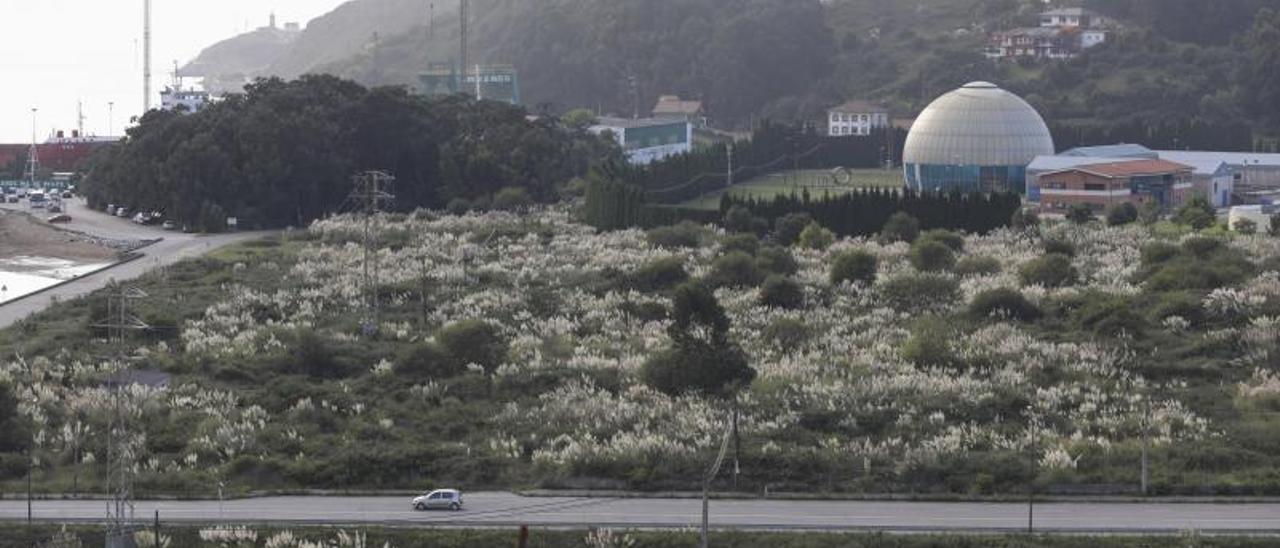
x,y
978,138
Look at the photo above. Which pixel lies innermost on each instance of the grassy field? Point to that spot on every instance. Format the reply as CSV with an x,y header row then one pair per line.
x,y
818,181
14,536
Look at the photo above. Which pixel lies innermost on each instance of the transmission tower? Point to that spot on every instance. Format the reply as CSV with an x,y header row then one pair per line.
x,y
373,192
121,450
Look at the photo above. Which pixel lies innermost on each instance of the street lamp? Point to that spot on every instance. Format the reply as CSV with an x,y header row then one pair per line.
x,y
111,111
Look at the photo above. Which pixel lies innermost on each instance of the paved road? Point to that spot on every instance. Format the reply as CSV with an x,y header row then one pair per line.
x,y
175,247
505,509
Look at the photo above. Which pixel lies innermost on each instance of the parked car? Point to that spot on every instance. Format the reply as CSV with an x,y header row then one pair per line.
x,y
13,198
59,219
55,207
122,212
169,225
440,499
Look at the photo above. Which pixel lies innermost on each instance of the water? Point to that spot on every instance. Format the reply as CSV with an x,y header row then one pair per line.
x,y
22,276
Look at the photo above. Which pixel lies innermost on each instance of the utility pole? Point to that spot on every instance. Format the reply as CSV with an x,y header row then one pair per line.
x,y
372,190
729,174
33,154
706,489
146,56
464,19
1146,442
121,450
737,445
1031,483
111,114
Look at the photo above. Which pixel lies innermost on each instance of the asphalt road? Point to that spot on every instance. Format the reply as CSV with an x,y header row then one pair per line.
x,y
506,510
175,247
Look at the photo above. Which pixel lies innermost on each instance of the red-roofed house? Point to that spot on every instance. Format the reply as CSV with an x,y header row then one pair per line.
x,y
1101,186
673,107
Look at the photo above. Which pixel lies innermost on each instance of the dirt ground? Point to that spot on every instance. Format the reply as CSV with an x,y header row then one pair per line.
x,y
24,235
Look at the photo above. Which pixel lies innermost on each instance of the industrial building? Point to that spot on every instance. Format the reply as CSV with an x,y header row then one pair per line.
x,y
1223,177
486,82
1103,185
647,140
978,138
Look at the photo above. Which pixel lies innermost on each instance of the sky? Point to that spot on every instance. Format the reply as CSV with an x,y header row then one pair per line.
x,y
57,53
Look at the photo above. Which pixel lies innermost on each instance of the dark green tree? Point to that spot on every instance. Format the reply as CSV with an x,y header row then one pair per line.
x,y
702,358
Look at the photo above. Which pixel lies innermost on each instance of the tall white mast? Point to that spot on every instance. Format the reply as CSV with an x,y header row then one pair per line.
x,y
146,56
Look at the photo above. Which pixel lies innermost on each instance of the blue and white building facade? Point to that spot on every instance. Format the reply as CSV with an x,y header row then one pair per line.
x,y
647,140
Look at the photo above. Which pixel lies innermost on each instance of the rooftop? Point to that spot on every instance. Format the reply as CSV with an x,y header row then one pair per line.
x,y
860,107
1132,168
673,104
633,123
1068,12
1122,150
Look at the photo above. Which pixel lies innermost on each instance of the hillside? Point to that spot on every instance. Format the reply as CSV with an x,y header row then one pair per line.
x,y
748,59
227,65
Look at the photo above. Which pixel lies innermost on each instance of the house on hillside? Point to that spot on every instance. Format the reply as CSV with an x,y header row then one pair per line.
x,y
1062,34
856,118
675,108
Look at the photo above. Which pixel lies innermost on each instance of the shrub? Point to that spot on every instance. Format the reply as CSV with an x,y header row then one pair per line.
x,y
1122,214
921,291
746,243
854,266
1024,219
1059,246
1003,302
1202,247
787,334
1273,228
685,234
458,206
512,198
1150,213
930,344
428,361
678,371
1183,304
473,342
780,292
1246,227
777,260
1196,213
816,237
952,240
308,353
736,269
1158,252
1080,214
740,219
931,256
1052,270
787,229
977,265
901,227
659,274
1109,315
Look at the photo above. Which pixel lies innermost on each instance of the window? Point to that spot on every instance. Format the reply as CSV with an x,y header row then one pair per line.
x,y
835,117
1095,187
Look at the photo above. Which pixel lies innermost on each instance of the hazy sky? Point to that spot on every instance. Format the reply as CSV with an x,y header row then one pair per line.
x,y
54,53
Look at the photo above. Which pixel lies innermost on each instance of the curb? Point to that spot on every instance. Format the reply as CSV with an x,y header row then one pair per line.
x,y
125,258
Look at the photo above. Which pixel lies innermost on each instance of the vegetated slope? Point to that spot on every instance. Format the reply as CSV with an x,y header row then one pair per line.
x,y
229,64
750,59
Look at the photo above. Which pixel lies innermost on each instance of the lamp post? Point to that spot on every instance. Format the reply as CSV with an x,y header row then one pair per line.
x,y
111,111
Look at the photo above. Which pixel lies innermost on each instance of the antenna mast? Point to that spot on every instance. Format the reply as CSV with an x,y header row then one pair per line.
x,y
463,9
33,157
146,56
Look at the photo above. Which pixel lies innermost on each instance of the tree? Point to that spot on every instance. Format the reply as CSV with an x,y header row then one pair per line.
x,y
901,227
816,237
1122,214
854,266
1196,213
1052,270
1274,228
735,269
1150,212
787,229
1246,227
931,256
1262,78
1080,214
14,429
701,359
473,342
781,292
